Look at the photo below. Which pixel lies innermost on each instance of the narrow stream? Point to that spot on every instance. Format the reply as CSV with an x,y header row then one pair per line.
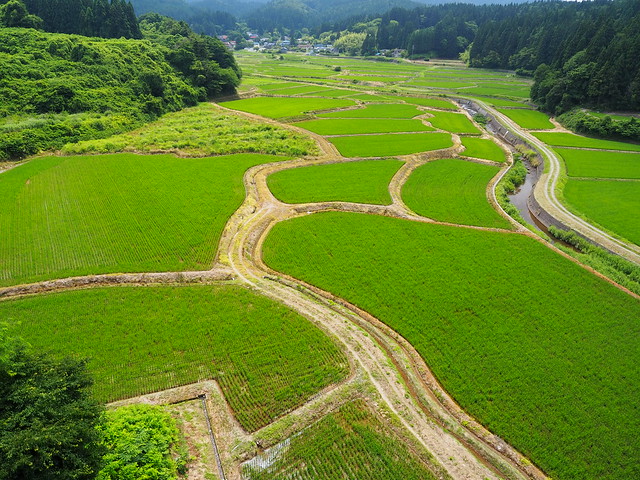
x,y
519,198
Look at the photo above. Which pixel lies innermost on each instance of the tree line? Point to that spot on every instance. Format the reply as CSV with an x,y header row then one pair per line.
x,y
94,18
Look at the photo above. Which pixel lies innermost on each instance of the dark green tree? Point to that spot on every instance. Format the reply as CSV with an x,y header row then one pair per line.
x,y
48,418
14,14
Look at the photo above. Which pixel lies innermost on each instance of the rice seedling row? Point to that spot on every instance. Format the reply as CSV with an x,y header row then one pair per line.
x,y
454,191
266,358
537,349
348,443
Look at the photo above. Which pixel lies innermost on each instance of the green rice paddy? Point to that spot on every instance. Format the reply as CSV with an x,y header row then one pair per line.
x,y
613,204
266,358
66,216
562,139
391,144
359,182
541,351
351,126
482,148
527,118
273,107
591,163
452,122
375,110
453,191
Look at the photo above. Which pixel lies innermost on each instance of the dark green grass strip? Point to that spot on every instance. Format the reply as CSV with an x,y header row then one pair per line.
x,y
267,358
453,191
542,352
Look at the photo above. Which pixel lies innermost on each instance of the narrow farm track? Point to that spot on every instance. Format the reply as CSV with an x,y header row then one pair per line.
x,y
545,193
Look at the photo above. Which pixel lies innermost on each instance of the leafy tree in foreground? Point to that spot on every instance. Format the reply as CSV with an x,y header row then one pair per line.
x,y
47,417
15,14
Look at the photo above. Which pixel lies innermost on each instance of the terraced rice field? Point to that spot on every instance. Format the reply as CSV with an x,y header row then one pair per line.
x,y
374,110
482,148
453,191
527,118
273,107
561,139
391,144
556,375
67,216
353,126
348,443
452,122
612,204
590,163
429,102
359,182
266,358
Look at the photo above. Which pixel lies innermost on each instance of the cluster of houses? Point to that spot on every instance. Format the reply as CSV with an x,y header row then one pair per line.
x,y
282,45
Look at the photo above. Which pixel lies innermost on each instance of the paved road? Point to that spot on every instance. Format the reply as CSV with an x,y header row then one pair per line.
x,y
545,194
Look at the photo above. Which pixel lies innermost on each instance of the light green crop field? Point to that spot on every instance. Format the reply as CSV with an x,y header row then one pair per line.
x,y
590,163
266,358
482,148
391,144
359,182
527,118
615,205
454,191
539,350
452,122
350,126
202,131
299,90
499,102
429,102
440,84
373,78
66,216
515,90
273,107
561,139
280,85
613,116
374,110
350,442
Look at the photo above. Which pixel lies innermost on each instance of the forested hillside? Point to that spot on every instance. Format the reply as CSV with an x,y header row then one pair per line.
x,y
95,18
582,53
59,88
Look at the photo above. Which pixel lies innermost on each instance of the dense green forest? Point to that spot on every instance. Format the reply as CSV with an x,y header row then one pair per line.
x,y
59,88
96,18
580,53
